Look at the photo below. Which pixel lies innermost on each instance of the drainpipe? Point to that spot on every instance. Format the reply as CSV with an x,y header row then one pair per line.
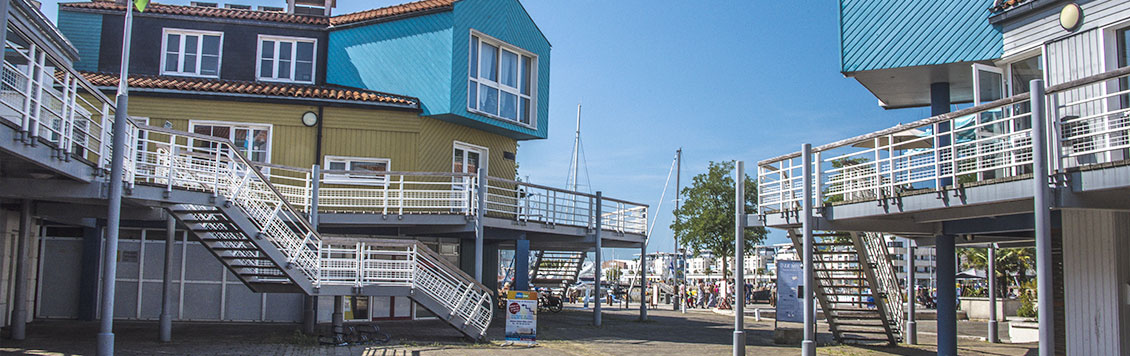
x,y
318,136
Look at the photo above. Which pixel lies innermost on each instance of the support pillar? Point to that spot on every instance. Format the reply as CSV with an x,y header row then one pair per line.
x,y
739,259
597,261
480,208
808,346
166,331
643,279
992,275
522,264
309,302
1041,199
338,319
947,295
88,280
19,292
911,289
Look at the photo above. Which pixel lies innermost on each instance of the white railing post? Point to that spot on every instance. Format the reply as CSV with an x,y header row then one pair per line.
x,y
400,195
104,137
217,167
817,181
67,117
172,156
26,122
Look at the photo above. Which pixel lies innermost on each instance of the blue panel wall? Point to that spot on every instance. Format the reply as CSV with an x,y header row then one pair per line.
x,y
507,21
408,57
84,30
882,34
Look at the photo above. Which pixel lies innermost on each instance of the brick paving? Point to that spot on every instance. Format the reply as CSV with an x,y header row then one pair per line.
x,y
567,333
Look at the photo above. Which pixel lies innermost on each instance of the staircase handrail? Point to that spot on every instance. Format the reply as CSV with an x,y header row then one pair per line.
x,y
878,255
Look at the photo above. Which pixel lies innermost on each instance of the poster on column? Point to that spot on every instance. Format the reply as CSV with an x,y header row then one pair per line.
x,y
790,281
521,316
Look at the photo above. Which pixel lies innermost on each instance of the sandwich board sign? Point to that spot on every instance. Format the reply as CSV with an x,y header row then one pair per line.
x,y
790,285
521,316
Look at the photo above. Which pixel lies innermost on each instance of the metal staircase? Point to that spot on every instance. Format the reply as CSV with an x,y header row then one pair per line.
x,y
555,269
854,287
270,246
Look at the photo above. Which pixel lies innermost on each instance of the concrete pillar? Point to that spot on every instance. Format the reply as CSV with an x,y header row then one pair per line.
x,y
911,288
522,264
947,295
167,283
808,346
597,261
338,319
992,275
19,292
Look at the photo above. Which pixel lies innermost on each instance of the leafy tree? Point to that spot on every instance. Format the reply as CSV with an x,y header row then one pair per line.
x,y
705,221
1010,262
615,273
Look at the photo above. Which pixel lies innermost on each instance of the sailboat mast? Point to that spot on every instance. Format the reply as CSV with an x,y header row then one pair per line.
x,y
577,150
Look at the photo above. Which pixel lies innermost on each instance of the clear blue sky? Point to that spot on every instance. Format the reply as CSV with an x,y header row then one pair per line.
x,y
724,80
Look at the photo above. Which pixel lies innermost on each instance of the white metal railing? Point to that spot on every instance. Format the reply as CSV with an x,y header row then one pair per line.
x,y
49,102
1088,121
878,255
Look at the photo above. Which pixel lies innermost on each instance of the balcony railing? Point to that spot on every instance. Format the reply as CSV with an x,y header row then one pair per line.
x,y
1088,122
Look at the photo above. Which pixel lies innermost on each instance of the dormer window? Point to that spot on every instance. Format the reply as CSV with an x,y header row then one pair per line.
x,y
191,53
286,59
501,81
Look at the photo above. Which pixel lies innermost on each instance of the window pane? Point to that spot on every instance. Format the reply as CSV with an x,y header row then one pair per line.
x,y
474,71
337,166
488,99
304,71
472,94
527,67
525,104
171,61
305,51
285,49
509,105
209,65
190,44
472,162
211,45
369,166
268,49
189,63
488,67
172,43
457,161
266,67
509,71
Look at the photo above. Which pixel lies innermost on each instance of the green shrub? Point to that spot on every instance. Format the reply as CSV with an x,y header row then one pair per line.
x,y
1027,306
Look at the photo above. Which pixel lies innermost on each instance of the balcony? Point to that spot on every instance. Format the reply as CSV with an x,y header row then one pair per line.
x,y
940,161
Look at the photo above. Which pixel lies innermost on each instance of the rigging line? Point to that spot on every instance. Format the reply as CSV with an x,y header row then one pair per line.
x,y
584,158
655,218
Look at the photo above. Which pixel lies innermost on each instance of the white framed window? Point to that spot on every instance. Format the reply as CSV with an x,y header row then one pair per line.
x,y
501,80
253,140
286,59
343,163
191,52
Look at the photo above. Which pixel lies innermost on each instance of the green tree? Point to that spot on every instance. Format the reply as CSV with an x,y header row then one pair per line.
x,y
705,221
1010,262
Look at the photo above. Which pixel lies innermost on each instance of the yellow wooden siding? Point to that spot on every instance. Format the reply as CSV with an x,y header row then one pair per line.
x,y
411,142
437,141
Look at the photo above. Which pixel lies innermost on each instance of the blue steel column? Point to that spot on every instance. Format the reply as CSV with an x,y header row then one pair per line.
x,y
19,292
739,259
947,295
1041,197
522,264
808,346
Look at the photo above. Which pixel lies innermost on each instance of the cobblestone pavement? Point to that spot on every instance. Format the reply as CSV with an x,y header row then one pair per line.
x,y
567,333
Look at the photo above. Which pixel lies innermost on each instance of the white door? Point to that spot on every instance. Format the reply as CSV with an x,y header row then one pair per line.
x,y
988,86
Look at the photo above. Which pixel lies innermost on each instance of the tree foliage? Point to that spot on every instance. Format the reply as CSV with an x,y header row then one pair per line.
x,y
1012,264
705,221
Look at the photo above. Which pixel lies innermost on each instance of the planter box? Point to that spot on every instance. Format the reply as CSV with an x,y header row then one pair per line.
x,y
978,308
1023,331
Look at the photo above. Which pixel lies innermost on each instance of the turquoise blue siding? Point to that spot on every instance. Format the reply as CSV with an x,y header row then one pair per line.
x,y
408,57
882,34
84,30
508,22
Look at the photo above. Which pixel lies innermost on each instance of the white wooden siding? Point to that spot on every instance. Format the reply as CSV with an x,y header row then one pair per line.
x,y
1094,273
1036,29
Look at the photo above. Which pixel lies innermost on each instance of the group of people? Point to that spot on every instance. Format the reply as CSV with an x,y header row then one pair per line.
x,y
719,294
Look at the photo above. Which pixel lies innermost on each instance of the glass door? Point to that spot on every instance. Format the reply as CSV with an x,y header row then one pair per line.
x,y
988,86
466,158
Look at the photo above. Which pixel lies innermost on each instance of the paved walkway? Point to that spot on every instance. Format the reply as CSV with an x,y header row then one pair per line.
x,y
566,333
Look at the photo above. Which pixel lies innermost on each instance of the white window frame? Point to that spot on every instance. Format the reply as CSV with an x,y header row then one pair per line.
x,y
477,79
484,154
199,51
378,180
293,59
234,125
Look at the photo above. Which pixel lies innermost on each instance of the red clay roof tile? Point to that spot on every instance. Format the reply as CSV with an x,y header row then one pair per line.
x,y
331,92
239,14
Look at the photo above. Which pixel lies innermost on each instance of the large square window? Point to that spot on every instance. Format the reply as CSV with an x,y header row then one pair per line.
x,y
191,53
501,81
286,59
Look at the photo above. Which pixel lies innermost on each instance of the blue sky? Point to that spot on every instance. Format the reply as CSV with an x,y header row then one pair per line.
x,y
724,80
